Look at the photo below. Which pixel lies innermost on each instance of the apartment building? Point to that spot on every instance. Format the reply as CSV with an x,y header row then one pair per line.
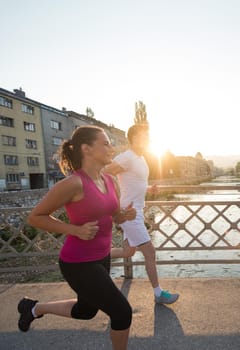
x,y
22,158
194,166
31,133
55,129
58,125
116,136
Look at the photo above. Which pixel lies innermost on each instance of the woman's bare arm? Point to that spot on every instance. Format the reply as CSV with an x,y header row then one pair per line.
x,y
63,192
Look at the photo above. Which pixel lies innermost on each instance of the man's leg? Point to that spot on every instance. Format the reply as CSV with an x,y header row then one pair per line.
x,y
161,296
124,252
148,251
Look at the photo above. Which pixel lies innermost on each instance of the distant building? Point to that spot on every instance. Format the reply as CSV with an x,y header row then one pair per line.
x,y
116,136
31,133
193,166
22,158
55,130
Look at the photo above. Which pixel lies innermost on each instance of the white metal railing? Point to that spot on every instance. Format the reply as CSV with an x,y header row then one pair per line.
x,y
174,226
192,226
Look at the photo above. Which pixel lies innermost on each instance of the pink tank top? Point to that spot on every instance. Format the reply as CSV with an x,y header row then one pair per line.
x,y
95,205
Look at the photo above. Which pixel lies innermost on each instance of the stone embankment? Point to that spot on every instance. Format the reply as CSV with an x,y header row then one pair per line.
x,y
29,198
20,199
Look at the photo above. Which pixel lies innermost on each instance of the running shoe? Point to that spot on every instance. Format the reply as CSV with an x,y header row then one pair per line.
x,y
166,298
26,317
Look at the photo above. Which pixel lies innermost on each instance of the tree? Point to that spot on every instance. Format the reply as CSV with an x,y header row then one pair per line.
x,y
89,112
140,113
237,168
170,166
198,155
151,159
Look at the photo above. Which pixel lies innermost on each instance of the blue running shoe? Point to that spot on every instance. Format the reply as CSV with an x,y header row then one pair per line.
x,y
166,298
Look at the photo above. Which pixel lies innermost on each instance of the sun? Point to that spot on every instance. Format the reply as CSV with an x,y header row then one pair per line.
x,y
156,148
157,144
171,140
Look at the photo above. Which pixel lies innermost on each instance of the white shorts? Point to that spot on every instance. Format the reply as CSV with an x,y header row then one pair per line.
x,y
135,231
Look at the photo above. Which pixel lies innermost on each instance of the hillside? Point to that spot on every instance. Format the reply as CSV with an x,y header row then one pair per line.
x,y
224,161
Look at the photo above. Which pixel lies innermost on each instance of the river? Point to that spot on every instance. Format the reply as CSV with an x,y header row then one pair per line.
x,y
195,270
216,195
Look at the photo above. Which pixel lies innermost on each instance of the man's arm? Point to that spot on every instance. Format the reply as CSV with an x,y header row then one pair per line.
x,y
114,168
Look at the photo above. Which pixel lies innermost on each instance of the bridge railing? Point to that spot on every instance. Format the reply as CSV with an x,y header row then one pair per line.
x,y
179,226
192,232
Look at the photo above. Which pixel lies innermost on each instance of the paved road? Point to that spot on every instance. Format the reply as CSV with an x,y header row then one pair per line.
x,y
206,316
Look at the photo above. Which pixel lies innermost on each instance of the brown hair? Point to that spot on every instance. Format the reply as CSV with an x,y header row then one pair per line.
x,y
70,151
135,129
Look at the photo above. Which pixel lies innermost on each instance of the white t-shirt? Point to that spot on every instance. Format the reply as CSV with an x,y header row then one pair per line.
x,y
133,181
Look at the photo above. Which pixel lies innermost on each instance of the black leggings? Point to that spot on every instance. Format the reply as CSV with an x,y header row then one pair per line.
x,y
96,291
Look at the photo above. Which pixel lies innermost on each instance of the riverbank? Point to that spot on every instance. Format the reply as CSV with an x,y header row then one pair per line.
x,y
29,198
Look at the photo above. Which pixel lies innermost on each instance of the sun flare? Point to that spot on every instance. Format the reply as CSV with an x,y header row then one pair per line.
x,y
170,141
157,145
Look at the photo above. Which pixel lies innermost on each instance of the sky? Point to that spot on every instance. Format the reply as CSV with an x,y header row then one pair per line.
x,y
180,58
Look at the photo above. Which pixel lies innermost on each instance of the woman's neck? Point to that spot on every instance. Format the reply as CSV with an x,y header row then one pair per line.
x,y
96,177
92,172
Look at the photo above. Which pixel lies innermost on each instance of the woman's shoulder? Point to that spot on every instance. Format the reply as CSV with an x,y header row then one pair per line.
x,y
73,186
69,182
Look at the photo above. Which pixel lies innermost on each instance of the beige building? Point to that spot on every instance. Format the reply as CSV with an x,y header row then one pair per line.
x,y
22,163
31,133
116,136
193,167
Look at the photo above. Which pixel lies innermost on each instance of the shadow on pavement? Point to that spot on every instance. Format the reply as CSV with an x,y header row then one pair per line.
x,y
155,327
165,339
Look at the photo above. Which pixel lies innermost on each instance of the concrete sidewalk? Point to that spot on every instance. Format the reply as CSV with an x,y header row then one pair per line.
x,y
206,316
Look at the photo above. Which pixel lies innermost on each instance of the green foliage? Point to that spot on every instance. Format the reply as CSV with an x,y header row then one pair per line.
x,y
89,112
140,113
30,232
170,166
155,194
63,217
18,243
237,168
5,233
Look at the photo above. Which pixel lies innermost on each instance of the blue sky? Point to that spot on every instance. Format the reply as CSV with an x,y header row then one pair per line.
x,y
181,58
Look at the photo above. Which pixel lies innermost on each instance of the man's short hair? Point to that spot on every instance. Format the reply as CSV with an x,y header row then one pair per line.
x,y
135,129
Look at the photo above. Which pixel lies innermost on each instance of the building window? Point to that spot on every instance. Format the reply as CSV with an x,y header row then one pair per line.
x,y
27,109
6,102
29,126
13,178
31,143
5,121
8,140
57,141
32,161
56,125
10,160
